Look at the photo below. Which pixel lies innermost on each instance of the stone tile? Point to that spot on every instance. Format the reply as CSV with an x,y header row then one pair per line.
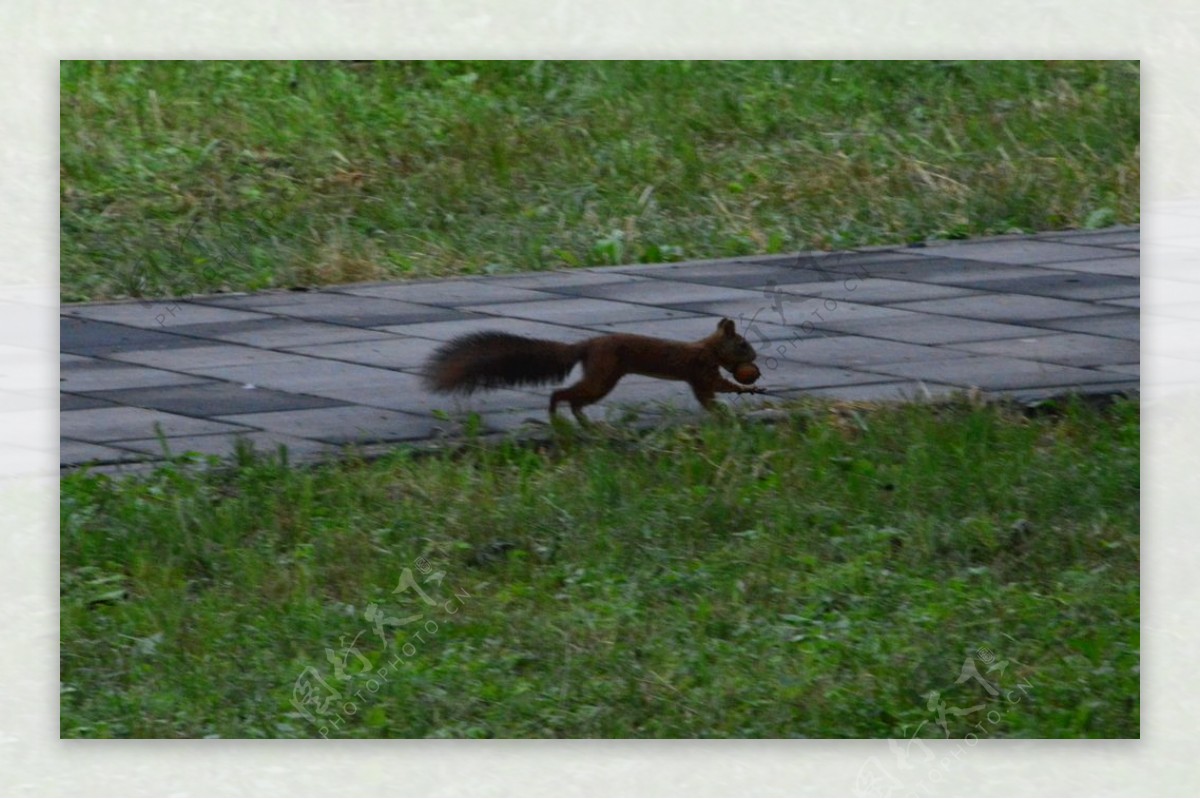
x,y
78,402
694,328
576,311
318,377
266,301
834,262
1122,325
345,309
160,314
723,273
871,290
103,425
1019,251
1061,284
453,293
103,376
213,399
276,333
993,373
664,292
1106,237
397,352
562,279
948,271
797,311
483,402
1134,369
853,351
899,391
1129,388
211,355
1126,266
444,331
344,425
785,375
77,453
1006,308
1071,349
80,336
225,446
918,328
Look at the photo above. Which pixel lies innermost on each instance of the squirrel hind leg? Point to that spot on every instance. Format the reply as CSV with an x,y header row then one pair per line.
x,y
582,394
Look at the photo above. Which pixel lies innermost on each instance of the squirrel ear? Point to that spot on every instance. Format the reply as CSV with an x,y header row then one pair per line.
x,y
726,326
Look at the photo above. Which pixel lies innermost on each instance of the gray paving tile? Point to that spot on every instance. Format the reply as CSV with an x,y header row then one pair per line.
x,y
694,328
561,279
576,311
785,375
267,443
1061,284
79,378
77,453
103,425
160,314
317,377
1107,237
1019,251
343,425
397,352
899,391
993,373
852,351
78,402
922,269
211,355
1071,349
1122,325
724,273
1031,395
275,333
444,331
1132,302
1134,369
917,328
485,402
1125,266
354,311
211,399
796,311
453,293
1006,308
664,292
266,301
871,290
80,336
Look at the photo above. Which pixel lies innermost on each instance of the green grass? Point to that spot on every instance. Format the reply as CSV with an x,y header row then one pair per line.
x,y
817,577
181,177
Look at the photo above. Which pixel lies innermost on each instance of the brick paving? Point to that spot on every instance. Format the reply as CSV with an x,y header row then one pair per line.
x,y
1022,316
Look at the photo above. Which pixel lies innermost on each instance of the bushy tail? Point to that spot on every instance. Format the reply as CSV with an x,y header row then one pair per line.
x,y
493,360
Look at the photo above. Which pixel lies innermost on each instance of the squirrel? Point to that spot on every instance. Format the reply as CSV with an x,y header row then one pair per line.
x,y
493,359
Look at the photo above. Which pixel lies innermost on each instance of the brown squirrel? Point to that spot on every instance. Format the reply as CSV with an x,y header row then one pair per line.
x,y
492,359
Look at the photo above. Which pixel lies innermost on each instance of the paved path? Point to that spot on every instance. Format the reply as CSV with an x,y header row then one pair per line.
x,y
1028,316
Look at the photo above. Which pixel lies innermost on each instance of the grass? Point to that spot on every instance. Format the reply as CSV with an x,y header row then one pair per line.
x,y
181,177
820,577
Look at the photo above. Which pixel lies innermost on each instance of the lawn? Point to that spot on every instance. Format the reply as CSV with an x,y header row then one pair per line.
x,y
184,177
960,569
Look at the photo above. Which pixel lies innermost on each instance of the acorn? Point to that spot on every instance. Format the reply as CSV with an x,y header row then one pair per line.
x,y
746,373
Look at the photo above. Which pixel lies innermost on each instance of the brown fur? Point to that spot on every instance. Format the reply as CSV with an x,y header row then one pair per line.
x,y
493,360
